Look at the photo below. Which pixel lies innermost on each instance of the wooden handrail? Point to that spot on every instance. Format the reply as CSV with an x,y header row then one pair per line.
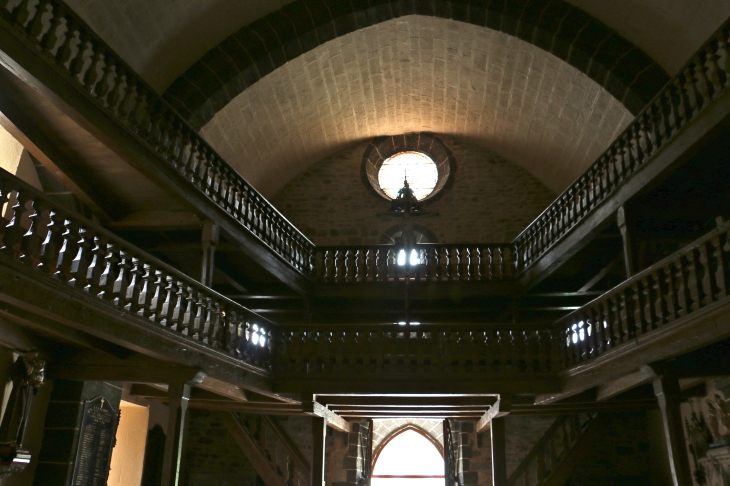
x,y
56,32
56,243
260,439
414,351
681,284
702,80
552,448
436,262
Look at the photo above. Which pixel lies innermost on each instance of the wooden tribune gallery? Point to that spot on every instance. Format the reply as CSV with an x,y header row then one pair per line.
x,y
386,243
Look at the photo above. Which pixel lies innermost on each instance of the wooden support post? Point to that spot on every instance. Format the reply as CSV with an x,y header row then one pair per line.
x,y
668,393
499,454
319,434
625,224
179,395
209,240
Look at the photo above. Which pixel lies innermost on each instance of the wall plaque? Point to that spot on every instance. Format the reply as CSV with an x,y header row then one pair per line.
x,y
96,439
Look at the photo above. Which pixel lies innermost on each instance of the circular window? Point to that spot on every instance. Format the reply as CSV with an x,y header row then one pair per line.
x,y
422,158
415,167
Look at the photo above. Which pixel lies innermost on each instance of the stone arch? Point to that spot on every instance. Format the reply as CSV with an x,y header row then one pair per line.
x,y
555,26
384,443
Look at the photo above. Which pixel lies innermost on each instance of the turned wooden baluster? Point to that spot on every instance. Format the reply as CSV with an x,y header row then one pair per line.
x,y
157,296
32,241
145,292
133,288
362,270
189,310
96,267
119,288
68,251
80,263
14,230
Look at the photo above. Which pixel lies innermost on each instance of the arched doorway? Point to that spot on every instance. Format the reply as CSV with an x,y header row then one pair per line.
x,y
409,457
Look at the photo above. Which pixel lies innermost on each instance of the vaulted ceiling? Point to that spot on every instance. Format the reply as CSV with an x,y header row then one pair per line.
x,y
276,86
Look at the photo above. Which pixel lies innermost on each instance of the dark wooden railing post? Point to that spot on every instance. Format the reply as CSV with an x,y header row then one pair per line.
x,y
625,224
319,435
667,391
179,395
499,452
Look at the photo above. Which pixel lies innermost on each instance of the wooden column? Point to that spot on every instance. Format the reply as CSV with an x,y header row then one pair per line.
x,y
666,389
625,224
179,395
319,434
499,454
209,240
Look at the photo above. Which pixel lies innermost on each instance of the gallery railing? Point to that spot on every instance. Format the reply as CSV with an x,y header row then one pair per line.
x,y
431,350
58,244
552,449
691,279
425,263
54,31
703,79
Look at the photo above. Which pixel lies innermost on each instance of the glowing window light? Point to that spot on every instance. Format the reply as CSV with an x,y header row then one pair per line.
x,y
402,258
409,459
418,168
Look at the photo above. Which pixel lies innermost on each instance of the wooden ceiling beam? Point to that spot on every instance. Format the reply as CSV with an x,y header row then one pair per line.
x,y
393,400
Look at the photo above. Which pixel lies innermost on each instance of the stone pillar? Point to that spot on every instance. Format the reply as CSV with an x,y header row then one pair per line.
x,y
319,434
62,428
499,455
666,389
625,224
179,395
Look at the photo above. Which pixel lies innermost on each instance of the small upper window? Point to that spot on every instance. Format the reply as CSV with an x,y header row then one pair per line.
x,y
416,167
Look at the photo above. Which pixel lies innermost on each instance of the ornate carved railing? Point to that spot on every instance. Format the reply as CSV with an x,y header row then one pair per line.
x,y
703,79
425,263
552,449
268,447
396,350
677,286
54,31
58,244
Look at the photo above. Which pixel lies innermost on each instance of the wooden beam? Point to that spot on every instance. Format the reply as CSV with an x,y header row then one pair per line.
x,y
251,450
500,409
316,409
333,401
222,388
622,385
136,374
597,278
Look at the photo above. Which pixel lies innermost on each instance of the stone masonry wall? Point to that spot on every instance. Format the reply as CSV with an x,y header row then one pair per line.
x,y
332,205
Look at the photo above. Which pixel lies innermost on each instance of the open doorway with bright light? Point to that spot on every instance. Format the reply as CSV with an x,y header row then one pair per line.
x,y
409,457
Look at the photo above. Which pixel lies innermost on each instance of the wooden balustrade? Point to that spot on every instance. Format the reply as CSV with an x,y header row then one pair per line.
x,y
691,279
550,450
55,243
397,350
703,79
285,463
426,263
54,31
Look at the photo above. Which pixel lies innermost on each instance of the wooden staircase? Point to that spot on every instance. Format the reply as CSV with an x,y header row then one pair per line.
x,y
272,453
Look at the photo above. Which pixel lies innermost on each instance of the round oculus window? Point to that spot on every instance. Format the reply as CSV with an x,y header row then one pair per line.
x,y
417,168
